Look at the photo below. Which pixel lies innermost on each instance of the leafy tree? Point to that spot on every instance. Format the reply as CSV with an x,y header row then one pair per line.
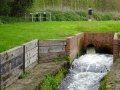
x,y
19,7
4,7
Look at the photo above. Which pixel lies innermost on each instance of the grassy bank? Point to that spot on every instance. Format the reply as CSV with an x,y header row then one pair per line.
x,y
12,35
51,82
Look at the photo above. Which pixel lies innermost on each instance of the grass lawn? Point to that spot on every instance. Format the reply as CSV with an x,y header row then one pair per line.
x,y
12,35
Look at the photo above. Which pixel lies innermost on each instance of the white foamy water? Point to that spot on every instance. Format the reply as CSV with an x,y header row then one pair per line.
x,y
86,72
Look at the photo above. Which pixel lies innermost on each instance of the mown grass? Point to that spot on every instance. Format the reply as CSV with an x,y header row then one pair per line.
x,y
12,35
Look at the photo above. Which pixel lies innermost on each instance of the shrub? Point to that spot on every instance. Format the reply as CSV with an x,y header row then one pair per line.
x,y
6,19
102,17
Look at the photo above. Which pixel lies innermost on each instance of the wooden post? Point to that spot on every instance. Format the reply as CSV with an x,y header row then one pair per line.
x,y
23,58
38,53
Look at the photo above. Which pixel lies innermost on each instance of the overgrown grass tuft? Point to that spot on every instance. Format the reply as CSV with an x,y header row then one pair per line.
x,y
103,82
118,34
51,82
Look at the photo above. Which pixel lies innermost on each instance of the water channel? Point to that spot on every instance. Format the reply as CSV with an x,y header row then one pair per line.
x,y
87,71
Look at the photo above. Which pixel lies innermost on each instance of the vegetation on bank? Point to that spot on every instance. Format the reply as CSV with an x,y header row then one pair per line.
x,y
103,82
12,35
51,82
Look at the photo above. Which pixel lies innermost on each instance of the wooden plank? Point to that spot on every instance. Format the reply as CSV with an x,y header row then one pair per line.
x,y
52,49
11,64
31,60
44,49
6,77
47,56
31,53
52,42
57,49
32,65
9,82
30,45
10,54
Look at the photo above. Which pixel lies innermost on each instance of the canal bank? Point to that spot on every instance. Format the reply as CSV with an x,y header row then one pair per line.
x,y
113,78
37,76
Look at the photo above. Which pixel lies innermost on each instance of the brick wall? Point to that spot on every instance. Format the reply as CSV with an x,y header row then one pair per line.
x,y
116,48
99,40
74,45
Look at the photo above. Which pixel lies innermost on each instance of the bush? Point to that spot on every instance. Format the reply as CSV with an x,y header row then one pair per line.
x,y
68,16
78,16
102,17
6,19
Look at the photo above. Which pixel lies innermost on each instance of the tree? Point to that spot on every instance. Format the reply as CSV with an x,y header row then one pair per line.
x,y
4,7
19,7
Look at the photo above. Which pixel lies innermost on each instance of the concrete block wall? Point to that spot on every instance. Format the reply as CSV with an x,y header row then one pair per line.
x,y
51,49
30,54
74,45
11,66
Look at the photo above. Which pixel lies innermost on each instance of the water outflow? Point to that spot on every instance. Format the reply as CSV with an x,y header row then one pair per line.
x,y
86,72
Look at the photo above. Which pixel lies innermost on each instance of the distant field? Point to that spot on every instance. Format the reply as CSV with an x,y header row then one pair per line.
x,y
12,35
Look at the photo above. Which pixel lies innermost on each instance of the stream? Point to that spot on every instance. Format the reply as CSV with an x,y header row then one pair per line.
x,y
87,71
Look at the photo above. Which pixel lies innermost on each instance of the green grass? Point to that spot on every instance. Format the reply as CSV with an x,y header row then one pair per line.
x,y
12,35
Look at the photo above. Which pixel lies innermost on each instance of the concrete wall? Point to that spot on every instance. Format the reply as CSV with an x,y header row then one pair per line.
x,y
74,45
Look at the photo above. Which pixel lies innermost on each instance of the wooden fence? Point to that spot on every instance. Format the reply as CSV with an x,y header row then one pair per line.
x,y
19,59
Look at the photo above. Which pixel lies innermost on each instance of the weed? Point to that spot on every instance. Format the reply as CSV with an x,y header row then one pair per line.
x,y
117,81
27,72
103,82
23,75
67,58
0,78
119,35
51,82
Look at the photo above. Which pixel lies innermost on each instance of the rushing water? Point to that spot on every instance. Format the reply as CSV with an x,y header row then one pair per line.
x,y
87,71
